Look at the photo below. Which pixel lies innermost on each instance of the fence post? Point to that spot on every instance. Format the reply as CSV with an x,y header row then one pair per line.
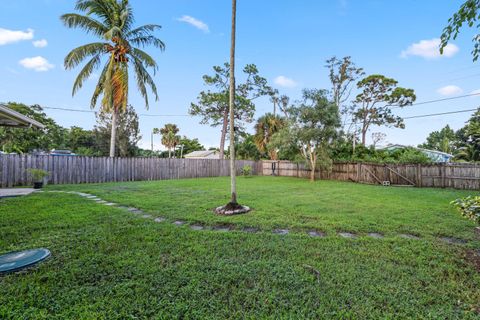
x,y
443,172
419,175
359,168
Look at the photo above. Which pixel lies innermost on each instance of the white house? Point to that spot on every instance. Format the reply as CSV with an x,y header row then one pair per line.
x,y
205,154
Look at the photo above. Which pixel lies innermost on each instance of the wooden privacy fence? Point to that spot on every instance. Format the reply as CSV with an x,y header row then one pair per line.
x,y
78,169
441,175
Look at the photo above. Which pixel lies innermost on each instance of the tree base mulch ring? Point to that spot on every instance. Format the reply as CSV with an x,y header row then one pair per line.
x,y
231,209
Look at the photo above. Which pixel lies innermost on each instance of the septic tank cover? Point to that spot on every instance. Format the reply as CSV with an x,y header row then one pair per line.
x,y
18,260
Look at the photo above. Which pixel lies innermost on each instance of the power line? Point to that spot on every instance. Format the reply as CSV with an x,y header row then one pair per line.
x,y
141,114
430,115
439,114
437,100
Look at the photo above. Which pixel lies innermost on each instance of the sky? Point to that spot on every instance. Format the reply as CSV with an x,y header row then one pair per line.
x,y
289,42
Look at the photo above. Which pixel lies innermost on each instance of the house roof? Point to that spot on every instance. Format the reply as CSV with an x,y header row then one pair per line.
x,y
11,118
200,154
401,146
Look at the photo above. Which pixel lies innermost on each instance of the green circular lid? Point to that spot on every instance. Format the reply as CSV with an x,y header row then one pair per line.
x,y
18,260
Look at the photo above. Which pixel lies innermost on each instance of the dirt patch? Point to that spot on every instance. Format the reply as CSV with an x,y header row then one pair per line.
x,y
281,231
250,229
316,234
375,235
473,256
451,240
347,235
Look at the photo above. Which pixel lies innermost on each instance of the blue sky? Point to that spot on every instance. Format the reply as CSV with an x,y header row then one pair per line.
x,y
289,41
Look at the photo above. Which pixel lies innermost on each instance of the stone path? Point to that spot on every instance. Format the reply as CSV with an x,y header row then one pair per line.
x,y
228,228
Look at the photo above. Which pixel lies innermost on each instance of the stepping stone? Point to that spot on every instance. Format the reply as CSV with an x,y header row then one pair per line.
x,y
453,240
146,216
196,227
135,210
101,201
409,236
110,204
122,207
178,222
159,219
281,231
375,235
316,234
347,235
221,228
91,197
250,229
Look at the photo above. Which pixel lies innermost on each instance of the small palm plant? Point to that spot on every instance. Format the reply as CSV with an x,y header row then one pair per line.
x,y
169,137
119,51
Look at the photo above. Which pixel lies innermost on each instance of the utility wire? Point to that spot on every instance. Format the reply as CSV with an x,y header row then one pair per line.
x,y
428,115
186,115
437,100
93,111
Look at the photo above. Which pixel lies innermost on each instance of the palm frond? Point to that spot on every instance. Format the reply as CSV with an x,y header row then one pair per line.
x,y
144,78
145,30
77,55
99,87
90,25
143,41
104,9
85,73
146,59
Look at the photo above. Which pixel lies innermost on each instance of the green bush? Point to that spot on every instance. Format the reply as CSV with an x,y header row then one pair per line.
x,y
247,171
37,174
469,207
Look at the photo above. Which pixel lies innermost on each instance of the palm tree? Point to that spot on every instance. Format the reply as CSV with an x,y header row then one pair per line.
x,y
118,50
169,137
265,128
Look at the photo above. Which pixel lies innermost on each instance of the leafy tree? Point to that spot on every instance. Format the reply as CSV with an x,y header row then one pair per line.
x,y
469,139
190,145
266,126
373,104
246,149
468,14
169,137
343,73
81,141
213,106
443,140
126,140
22,140
313,127
119,48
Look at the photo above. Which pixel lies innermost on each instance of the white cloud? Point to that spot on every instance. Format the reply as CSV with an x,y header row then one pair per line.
x,y
36,63
12,36
40,43
429,49
195,22
450,90
283,81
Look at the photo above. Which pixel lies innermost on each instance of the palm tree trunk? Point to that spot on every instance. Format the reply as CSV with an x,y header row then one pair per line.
x,y
113,134
169,153
233,178
224,134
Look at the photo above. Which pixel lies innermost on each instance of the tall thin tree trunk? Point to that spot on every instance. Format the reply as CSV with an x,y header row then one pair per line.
x,y
113,135
233,177
224,134
169,153
364,136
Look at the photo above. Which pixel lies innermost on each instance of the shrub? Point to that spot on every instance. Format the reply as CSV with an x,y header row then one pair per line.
x,y
469,207
247,171
37,174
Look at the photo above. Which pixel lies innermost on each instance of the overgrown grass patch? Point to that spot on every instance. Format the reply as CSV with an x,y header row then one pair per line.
x,y
110,264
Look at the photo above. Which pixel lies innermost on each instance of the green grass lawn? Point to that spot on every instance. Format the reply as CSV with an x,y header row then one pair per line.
x,y
110,264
